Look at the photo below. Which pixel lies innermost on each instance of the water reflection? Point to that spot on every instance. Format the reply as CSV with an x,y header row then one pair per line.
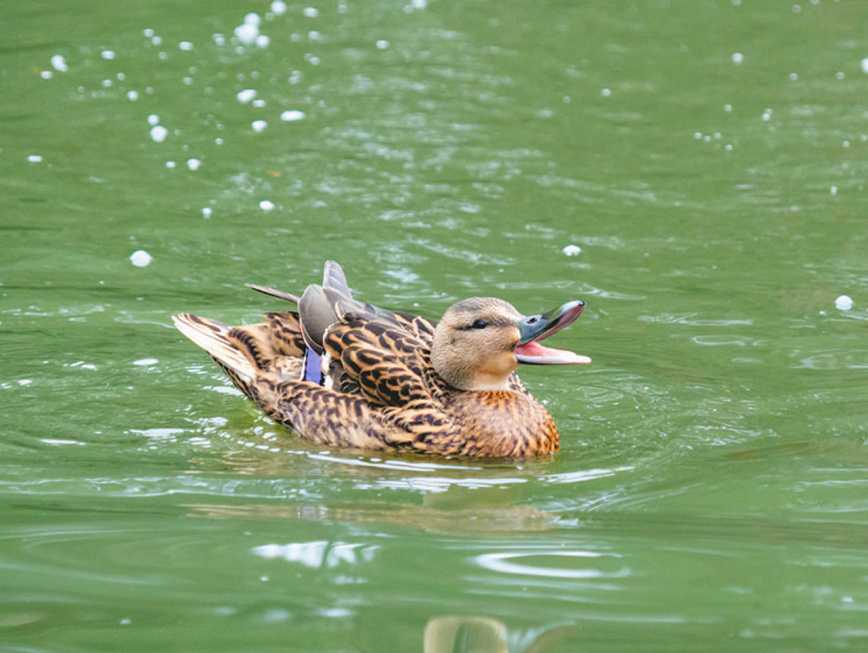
x,y
483,635
478,518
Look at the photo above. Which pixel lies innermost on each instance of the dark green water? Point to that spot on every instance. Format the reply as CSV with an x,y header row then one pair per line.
x,y
708,159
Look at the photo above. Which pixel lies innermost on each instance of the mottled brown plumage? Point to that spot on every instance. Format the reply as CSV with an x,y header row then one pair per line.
x,y
344,373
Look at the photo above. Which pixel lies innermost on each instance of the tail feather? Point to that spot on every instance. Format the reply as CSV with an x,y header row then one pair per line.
x,y
265,290
212,336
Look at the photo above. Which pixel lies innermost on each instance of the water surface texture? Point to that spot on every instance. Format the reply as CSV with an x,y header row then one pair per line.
x,y
695,171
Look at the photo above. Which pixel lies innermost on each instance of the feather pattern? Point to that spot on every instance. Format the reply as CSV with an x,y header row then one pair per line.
x,y
384,379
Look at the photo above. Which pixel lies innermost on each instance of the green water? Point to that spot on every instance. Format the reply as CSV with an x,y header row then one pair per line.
x,y
708,159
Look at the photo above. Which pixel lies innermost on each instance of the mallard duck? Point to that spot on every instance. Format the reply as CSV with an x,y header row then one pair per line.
x,y
344,373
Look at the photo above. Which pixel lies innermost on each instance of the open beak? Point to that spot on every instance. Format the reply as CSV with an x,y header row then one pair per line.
x,y
538,327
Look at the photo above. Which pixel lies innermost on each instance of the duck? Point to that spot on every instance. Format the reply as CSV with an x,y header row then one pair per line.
x,y
344,373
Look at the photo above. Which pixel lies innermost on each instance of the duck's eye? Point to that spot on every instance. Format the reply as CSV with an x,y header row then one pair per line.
x,y
479,324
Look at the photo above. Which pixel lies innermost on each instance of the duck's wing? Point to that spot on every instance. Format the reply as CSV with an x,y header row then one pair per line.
x,y
273,348
389,365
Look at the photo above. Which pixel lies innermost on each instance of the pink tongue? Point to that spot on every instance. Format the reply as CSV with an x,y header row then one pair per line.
x,y
534,353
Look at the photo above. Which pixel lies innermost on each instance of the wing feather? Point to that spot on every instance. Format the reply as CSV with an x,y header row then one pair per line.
x,y
386,362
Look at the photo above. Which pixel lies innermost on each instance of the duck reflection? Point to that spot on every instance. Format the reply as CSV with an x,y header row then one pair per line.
x,y
484,635
479,518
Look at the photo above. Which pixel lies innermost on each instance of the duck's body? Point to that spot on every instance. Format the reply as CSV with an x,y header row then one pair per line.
x,y
343,373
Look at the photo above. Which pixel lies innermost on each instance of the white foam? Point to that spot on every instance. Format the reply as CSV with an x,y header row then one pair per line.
x,y
864,64
157,40
159,133
58,62
572,250
34,158
140,258
46,74
843,303
148,32
246,95
206,212
266,205
194,164
170,164
278,7
186,46
737,58
247,33
153,119
107,54
382,44
252,19
262,41
259,103
259,125
311,12
291,115
146,361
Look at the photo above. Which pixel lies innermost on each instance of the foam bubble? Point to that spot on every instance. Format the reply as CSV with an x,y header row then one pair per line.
x,y
572,250
864,64
206,212
34,158
252,19
58,62
382,44
247,33
153,119
46,74
186,46
262,41
266,205
259,125
291,115
107,54
844,303
140,258
737,58
246,95
278,7
194,164
311,12
159,133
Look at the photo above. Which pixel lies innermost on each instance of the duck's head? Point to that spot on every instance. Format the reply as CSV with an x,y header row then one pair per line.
x,y
480,341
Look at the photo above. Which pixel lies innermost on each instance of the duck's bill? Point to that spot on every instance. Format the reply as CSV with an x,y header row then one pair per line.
x,y
538,327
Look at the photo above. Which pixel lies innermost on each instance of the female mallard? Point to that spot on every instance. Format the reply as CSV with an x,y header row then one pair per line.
x,y
344,373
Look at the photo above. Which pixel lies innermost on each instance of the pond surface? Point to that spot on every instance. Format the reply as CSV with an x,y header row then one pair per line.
x,y
706,161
